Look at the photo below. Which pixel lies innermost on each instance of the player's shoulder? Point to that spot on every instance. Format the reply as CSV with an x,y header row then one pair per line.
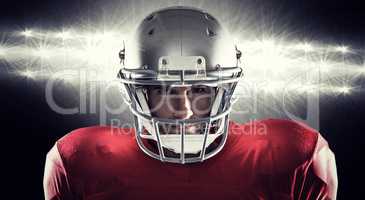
x,y
274,128
297,135
93,139
86,135
286,139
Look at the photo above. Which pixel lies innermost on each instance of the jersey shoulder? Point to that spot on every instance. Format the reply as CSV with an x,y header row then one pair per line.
x,y
287,142
91,143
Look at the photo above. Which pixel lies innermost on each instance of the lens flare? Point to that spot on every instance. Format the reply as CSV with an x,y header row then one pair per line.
x,y
267,60
27,33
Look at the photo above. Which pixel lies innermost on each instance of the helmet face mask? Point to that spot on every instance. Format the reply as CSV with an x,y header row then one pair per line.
x,y
180,103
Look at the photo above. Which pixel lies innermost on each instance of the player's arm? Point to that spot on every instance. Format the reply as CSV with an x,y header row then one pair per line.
x,y
55,181
324,165
316,177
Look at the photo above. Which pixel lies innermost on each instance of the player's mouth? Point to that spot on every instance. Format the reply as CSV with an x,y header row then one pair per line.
x,y
173,129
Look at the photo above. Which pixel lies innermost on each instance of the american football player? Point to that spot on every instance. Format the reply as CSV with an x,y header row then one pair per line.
x,y
178,77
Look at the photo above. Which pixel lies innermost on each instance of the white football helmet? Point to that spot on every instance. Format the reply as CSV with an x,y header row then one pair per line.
x,y
180,47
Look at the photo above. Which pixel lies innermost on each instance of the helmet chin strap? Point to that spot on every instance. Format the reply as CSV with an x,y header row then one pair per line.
x,y
193,143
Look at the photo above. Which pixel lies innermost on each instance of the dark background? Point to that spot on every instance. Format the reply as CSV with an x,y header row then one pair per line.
x,y
30,127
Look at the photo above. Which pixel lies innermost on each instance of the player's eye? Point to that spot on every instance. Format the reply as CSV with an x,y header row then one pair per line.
x,y
202,90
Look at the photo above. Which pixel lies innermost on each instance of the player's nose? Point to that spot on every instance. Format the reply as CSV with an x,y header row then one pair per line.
x,y
183,109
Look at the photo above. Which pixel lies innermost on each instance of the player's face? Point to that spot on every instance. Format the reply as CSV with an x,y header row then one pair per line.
x,y
181,103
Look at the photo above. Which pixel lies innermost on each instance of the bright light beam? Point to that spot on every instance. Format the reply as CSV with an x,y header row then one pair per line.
x,y
43,53
344,89
306,47
270,60
2,52
27,33
342,49
64,35
28,74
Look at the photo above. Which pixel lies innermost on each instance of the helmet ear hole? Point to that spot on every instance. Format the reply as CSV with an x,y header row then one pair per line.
x,y
210,32
209,17
164,62
199,61
149,18
151,32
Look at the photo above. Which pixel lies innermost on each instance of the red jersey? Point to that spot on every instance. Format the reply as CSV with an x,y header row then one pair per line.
x,y
268,159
